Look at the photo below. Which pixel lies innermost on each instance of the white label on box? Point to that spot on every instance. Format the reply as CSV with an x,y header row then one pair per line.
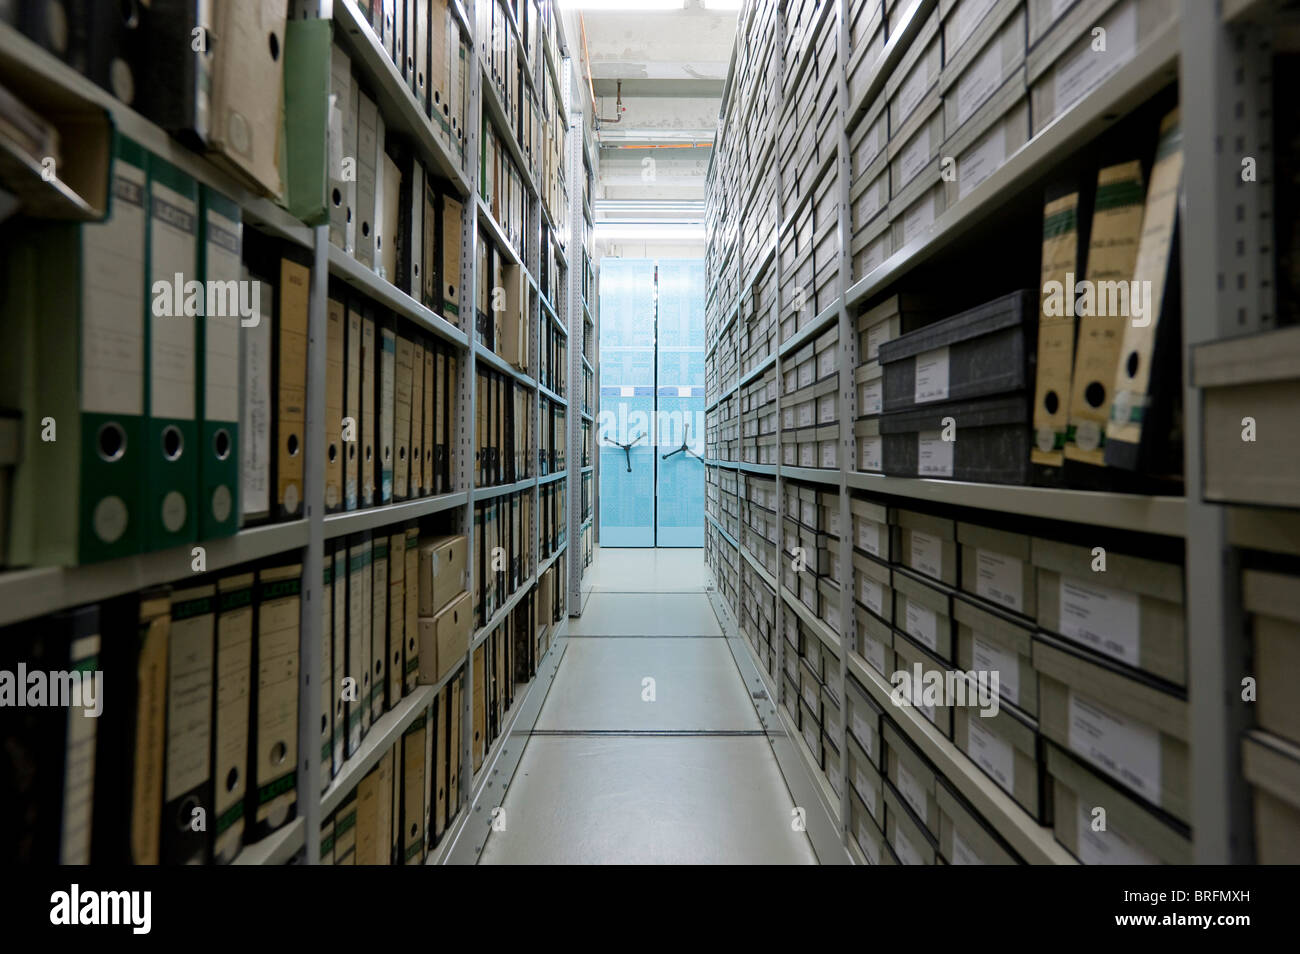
x,y
873,651
810,737
869,204
869,537
787,418
807,373
1118,745
1104,618
806,412
808,454
874,255
876,336
991,752
999,579
978,83
829,457
1109,847
922,623
927,554
826,362
866,790
826,410
933,455
981,160
869,147
871,398
912,792
867,842
919,217
965,19
1084,70
913,88
862,732
989,657
907,854
915,156
869,454
932,376
871,594
962,853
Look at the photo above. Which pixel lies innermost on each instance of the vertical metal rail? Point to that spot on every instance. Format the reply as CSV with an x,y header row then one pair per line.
x,y
571,308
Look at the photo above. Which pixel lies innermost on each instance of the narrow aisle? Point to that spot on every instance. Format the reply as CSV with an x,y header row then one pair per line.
x,y
648,749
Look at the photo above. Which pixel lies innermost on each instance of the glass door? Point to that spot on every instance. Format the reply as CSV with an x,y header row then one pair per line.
x,y
679,511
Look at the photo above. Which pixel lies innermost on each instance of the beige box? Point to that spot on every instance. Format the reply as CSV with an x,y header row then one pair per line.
x,y
996,566
1130,730
964,837
828,595
869,446
832,762
984,142
444,639
870,195
978,68
873,586
912,844
827,354
875,642
872,246
248,90
866,832
828,447
916,73
1273,600
871,523
1256,377
864,780
991,642
907,657
1004,746
863,720
1064,68
442,572
1133,612
790,697
832,712
923,612
811,730
1134,835
927,544
1272,765
913,149
1044,15
867,42
810,685
909,218
911,776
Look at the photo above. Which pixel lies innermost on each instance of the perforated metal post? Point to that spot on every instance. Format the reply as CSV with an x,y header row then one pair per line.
x,y
570,310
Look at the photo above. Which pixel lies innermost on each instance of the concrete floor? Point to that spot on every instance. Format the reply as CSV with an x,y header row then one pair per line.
x,y
648,749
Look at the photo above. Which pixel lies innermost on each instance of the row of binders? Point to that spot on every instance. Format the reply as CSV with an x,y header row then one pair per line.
x,y
157,363
551,437
390,415
553,358
553,514
502,189
503,550
386,209
504,307
503,439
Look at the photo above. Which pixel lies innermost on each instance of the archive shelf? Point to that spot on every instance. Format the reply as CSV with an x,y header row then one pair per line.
x,y
551,395
355,521
277,848
552,478
499,617
488,493
497,112
484,353
498,234
346,268
401,111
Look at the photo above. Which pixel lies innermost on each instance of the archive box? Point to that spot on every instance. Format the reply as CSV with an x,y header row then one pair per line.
x,y
869,193
909,654
826,352
996,566
870,445
1005,747
924,612
990,440
871,246
913,149
873,586
964,837
828,512
1062,66
811,730
915,75
871,522
810,688
912,844
991,642
828,594
864,779
911,774
867,834
1273,602
832,711
995,133
1130,728
1251,377
866,43
809,595
1134,834
1133,612
832,763
909,217
790,696
869,379
979,352
875,642
864,720
974,70
894,316
1272,766
926,543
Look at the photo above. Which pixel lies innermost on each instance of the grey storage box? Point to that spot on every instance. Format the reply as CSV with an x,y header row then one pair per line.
x,y
916,73
869,379
980,352
875,642
911,775
1130,729
873,586
871,522
790,696
964,837
991,642
863,720
927,544
867,834
1133,612
1272,765
1273,600
811,730
908,656
896,315
870,445
832,762
1005,747
1133,833
912,213
990,444
988,139
867,39
832,712
871,246
924,612
973,71
996,566
865,780
912,844
828,592
869,196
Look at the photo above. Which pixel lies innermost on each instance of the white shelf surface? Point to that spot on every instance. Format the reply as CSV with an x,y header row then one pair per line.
x,y
354,521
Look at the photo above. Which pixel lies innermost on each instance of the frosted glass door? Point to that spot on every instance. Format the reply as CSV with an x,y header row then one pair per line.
x,y
680,510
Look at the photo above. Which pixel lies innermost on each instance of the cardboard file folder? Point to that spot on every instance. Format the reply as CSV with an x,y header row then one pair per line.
x,y
449,241
255,406
342,146
273,753
403,386
291,379
350,436
369,444
386,400
369,149
234,652
339,655
353,693
187,782
335,361
396,615
379,602
411,610
416,483
431,407
326,676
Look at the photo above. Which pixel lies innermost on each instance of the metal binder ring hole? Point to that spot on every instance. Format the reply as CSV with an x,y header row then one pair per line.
x,y
278,752
401,454
379,668
352,451
221,444
367,455
324,722
112,441
365,229
388,454
173,443
185,813
293,445
397,657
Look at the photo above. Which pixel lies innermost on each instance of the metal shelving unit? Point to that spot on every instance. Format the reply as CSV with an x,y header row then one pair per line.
x,y
1217,53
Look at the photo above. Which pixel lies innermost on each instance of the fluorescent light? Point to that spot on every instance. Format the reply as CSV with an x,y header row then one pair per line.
x,y
647,231
723,4
625,5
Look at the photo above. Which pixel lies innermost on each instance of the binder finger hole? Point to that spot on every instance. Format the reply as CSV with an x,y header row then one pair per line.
x,y
221,444
173,443
333,453
130,10
293,445
278,752
112,441
232,780
275,46
1094,394
1131,366
1051,402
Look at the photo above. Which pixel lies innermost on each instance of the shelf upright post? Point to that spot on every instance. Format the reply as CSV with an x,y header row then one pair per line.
x,y
778,301
571,301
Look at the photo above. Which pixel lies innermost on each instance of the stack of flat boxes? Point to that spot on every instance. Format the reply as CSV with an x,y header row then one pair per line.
x,y
875,326
731,426
758,615
751,397
768,431
729,509
795,246
810,404
810,563
760,513
757,338
711,434
711,493
1092,674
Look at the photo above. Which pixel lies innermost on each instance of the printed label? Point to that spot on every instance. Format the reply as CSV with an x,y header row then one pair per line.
x,y
871,398
981,161
918,218
926,554
989,657
992,753
922,623
912,793
871,594
1109,847
876,336
915,156
962,853
869,537
978,83
1119,746
873,651
907,854
932,376
869,454
1101,617
933,455
1086,68
999,579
